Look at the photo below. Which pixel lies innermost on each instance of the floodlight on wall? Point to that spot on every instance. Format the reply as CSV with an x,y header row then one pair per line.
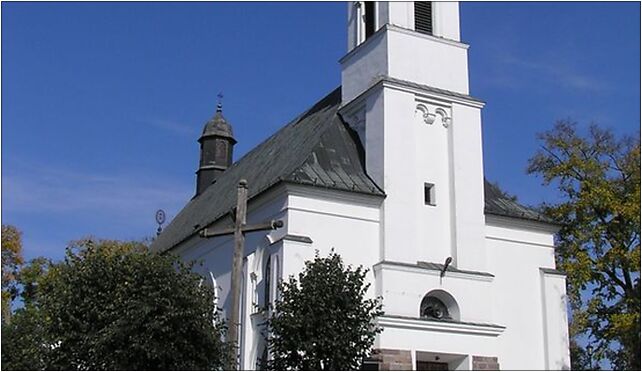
x,y
443,270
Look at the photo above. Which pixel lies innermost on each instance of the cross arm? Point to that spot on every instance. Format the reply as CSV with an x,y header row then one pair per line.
x,y
271,225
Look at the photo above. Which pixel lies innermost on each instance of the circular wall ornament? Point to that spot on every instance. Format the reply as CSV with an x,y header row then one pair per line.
x,y
160,216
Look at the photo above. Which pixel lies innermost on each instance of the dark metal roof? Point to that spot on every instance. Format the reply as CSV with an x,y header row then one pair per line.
x,y
218,126
499,203
317,149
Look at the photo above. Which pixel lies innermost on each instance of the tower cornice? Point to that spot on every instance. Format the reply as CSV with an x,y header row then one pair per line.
x,y
418,89
393,28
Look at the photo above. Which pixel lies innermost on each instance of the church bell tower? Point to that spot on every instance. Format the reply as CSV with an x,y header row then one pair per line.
x,y
405,92
217,145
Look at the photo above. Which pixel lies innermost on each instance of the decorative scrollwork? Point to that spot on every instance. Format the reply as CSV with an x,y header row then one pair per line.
x,y
427,117
445,119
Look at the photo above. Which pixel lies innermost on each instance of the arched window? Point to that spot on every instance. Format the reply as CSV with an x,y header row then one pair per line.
x,y
439,305
267,290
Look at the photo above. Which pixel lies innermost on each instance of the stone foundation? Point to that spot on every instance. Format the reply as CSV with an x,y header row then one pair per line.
x,y
392,360
482,363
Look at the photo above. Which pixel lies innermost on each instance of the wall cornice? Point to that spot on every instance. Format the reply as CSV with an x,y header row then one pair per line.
x,y
549,271
418,324
521,223
350,197
419,35
425,269
393,28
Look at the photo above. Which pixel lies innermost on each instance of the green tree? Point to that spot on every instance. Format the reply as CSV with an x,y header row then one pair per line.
x,y
323,321
114,306
11,261
598,176
25,342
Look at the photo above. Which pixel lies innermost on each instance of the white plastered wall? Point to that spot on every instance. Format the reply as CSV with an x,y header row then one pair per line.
x,y
535,334
412,138
556,345
349,224
529,302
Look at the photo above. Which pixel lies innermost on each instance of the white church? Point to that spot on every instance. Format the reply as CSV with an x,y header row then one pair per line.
x,y
388,170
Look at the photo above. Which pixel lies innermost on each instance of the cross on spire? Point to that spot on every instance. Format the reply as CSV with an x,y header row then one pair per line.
x,y
219,105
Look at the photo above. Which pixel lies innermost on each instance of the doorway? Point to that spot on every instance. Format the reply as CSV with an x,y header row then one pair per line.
x,y
431,366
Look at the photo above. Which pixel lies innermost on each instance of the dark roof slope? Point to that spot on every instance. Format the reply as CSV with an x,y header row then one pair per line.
x,y
499,203
317,148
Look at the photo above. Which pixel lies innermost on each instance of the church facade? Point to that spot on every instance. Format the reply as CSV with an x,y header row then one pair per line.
x,y
387,170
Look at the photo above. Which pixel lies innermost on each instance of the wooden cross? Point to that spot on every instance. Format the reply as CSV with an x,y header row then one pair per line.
x,y
239,230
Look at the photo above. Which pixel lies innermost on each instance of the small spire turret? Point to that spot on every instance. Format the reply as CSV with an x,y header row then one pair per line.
x,y
217,145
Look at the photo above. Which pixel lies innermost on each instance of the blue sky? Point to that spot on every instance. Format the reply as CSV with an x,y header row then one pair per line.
x,y
102,103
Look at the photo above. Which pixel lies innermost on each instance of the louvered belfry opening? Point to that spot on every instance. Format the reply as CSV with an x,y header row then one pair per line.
x,y
370,18
423,17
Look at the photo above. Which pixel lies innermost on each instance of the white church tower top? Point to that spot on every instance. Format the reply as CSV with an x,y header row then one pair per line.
x,y
404,86
411,41
440,19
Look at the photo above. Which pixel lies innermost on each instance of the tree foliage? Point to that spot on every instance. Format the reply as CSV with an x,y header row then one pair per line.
x,y
11,261
323,320
114,306
598,176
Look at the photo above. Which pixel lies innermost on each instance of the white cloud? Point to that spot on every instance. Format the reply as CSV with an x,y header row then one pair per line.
x,y
553,71
63,191
172,126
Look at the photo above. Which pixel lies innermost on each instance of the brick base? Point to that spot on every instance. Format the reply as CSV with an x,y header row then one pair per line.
x,y
392,360
482,363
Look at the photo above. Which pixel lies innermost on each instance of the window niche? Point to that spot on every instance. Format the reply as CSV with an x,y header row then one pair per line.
x,y
430,197
439,305
432,307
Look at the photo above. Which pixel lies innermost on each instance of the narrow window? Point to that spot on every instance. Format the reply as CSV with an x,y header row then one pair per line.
x,y
255,295
275,279
370,18
268,287
429,194
423,17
